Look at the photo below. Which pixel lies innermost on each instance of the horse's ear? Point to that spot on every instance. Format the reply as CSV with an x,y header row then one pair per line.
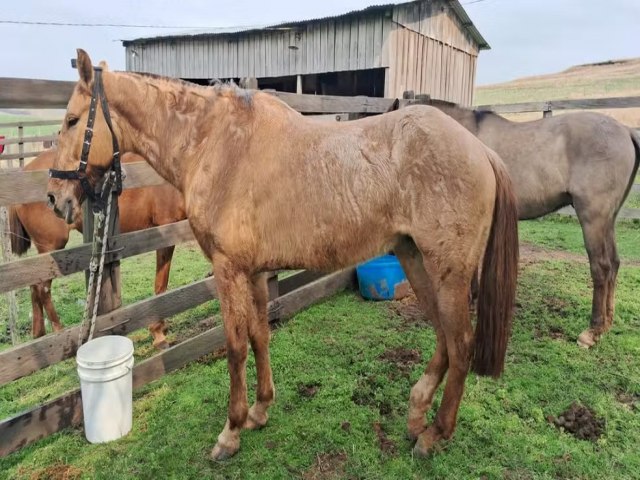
x,y
103,64
85,68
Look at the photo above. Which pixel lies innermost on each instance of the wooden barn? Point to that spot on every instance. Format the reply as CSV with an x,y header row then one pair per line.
x,y
426,46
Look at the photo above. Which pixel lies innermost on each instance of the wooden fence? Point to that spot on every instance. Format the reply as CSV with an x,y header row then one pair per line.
x,y
287,296
37,143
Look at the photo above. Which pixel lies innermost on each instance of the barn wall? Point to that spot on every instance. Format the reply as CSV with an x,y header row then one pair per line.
x,y
430,53
352,43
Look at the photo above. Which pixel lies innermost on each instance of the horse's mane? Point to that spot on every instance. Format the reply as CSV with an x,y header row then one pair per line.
x,y
215,84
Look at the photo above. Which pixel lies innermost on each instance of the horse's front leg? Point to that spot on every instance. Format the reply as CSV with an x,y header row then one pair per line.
x,y
259,334
235,290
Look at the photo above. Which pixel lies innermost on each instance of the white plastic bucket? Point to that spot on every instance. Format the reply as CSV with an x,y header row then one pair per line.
x,y
104,368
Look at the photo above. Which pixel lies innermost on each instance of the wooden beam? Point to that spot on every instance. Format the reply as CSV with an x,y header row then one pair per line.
x,y
32,270
13,156
42,352
298,280
66,411
333,103
29,93
577,104
18,187
31,123
39,138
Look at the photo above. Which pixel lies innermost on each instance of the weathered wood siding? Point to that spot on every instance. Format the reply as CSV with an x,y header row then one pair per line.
x,y
431,53
326,46
423,46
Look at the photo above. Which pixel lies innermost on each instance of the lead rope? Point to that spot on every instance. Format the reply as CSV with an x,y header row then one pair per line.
x,y
98,251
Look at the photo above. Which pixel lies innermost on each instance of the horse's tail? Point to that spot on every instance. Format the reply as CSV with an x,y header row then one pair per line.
x,y
20,239
635,139
498,281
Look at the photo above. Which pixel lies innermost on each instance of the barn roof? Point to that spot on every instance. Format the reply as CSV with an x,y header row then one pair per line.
x,y
210,32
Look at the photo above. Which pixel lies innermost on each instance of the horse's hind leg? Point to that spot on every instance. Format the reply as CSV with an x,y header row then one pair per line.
x,y
424,389
453,314
48,305
37,320
599,240
259,334
615,264
158,329
235,289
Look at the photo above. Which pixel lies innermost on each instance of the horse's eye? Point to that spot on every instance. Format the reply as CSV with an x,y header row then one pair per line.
x,y
71,122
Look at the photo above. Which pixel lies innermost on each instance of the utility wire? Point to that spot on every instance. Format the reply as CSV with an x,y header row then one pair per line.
x,y
70,24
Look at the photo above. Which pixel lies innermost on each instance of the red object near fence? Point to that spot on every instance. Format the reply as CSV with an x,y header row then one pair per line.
x,y
1,145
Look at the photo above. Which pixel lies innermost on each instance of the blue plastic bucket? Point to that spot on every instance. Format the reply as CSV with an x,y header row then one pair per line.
x,y
382,278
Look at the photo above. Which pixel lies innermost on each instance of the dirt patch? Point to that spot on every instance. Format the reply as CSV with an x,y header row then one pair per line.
x,y
387,446
553,332
530,254
629,400
328,466
409,310
403,358
402,290
308,390
556,305
58,471
581,422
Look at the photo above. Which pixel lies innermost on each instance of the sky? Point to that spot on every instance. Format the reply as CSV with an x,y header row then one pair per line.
x,y
528,37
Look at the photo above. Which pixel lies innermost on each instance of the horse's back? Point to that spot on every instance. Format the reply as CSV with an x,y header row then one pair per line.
x,y
311,194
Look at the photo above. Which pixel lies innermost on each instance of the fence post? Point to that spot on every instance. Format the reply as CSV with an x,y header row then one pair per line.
x,y
21,145
110,291
5,242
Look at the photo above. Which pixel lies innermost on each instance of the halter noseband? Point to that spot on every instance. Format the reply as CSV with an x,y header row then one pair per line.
x,y
80,173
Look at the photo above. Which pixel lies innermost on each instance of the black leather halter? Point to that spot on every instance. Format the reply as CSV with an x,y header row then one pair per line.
x,y
96,194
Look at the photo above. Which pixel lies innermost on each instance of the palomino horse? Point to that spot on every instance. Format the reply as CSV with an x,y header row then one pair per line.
x,y
266,188
583,159
140,208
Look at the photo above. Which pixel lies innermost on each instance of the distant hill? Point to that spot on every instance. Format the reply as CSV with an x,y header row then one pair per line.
x,y
613,78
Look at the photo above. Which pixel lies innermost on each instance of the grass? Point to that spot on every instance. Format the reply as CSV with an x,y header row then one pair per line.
x,y
336,347
564,233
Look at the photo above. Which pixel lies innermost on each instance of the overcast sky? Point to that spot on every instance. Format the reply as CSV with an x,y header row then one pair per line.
x,y
527,37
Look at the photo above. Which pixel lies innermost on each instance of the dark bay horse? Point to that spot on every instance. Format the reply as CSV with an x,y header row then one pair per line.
x,y
140,208
266,188
587,160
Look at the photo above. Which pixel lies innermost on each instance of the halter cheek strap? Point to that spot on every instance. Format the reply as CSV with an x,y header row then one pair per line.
x,y
80,174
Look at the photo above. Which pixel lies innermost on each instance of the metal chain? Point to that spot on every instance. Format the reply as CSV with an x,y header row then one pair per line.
x,y
99,246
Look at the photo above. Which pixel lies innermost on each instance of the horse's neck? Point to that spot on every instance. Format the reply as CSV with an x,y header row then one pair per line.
x,y
160,122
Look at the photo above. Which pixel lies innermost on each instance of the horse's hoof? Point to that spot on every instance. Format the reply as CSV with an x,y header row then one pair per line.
x,y
222,452
587,339
428,442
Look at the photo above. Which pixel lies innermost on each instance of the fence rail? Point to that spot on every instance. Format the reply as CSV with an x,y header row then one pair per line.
x,y
577,104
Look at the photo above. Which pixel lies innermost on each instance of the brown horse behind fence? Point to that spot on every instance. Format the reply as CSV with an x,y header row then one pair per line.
x,y
584,159
140,208
266,188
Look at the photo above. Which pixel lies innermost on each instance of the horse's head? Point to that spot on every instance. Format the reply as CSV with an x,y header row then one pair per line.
x,y
87,145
